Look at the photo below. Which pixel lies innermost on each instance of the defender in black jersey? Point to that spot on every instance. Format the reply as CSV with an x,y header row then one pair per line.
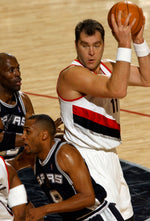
x,y
64,176
15,107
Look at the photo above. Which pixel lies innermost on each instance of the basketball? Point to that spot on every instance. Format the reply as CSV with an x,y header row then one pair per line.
x,y
127,7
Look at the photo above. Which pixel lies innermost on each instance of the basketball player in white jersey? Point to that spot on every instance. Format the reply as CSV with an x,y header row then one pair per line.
x,y
12,194
89,91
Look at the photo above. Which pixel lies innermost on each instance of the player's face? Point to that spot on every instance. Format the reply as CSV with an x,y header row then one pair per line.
x,y
31,137
10,76
90,50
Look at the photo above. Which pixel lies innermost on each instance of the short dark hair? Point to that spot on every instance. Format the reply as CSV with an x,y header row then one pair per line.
x,y
89,26
45,122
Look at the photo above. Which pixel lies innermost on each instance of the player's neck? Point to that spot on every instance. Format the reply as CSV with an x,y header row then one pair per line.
x,y
45,149
7,97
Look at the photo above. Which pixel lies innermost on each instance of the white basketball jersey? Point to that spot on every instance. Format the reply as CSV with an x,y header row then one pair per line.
x,y
5,213
92,122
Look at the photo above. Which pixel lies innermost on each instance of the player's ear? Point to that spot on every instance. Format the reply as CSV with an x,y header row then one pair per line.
x,y
44,135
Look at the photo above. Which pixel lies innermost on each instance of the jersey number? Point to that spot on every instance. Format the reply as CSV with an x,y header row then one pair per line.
x,y
114,105
56,197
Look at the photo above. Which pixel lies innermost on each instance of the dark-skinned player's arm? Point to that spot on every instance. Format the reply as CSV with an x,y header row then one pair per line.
x,y
70,161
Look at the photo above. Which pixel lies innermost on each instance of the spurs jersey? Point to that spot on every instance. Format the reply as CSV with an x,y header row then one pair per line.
x,y
57,184
13,118
91,122
5,212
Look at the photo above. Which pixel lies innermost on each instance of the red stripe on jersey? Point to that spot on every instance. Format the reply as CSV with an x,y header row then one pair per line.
x,y
95,117
105,67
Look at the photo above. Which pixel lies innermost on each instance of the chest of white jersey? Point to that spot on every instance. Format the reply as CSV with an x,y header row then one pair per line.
x,y
92,122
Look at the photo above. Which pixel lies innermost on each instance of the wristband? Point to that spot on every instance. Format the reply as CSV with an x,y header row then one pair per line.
x,y
124,54
8,141
141,50
17,196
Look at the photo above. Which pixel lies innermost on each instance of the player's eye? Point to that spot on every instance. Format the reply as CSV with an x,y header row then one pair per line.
x,y
27,131
97,45
18,68
11,70
85,46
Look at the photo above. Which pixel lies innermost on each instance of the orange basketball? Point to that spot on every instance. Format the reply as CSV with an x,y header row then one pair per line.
x,y
127,7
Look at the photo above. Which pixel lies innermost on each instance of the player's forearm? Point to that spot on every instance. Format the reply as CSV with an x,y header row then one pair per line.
x,y
144,63
20,218
19,213
118,82
143,53
74,203
10,140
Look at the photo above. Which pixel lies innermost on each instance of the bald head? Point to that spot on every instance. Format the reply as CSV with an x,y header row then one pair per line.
x,y
4,57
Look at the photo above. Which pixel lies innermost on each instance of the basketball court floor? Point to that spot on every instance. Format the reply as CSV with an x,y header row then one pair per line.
x,y
40,33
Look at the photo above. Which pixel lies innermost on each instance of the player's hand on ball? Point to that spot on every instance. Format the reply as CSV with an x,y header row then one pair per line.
x,y
122,31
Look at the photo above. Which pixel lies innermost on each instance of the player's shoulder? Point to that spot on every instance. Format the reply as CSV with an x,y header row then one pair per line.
x,y
22,94
24,97
68,151
73,69
10,167
108,63
13,177
27,103
68,157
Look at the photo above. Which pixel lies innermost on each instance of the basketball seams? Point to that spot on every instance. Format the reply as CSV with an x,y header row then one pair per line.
x,y
137,20
115,11
127,5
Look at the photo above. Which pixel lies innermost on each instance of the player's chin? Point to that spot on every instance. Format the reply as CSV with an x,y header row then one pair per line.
x,y
27,149
91,67
16,89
